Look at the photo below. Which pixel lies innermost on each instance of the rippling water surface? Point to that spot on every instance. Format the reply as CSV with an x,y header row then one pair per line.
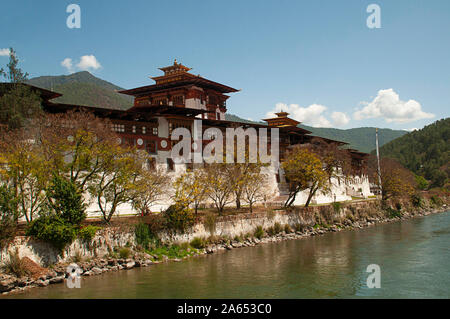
x,y
414,257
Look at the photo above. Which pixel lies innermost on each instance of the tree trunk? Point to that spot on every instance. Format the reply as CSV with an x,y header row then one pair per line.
x,y
310,196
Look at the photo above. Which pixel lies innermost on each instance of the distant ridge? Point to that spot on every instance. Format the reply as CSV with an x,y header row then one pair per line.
x,y
82,88
362,138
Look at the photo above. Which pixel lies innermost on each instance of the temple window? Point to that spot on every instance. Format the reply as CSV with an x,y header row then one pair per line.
x,y
155,131
160,101
144,130
178,100
120,128
176,124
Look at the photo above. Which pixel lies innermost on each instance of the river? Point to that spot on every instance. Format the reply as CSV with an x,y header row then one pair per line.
x,y
413,255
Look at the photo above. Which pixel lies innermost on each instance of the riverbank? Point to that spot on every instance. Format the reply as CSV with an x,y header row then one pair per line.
x,y
301,223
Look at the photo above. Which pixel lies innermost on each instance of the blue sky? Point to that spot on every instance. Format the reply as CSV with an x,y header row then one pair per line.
x,y
316,59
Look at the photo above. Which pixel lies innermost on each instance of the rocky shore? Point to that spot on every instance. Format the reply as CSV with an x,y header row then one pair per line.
x,y
42,277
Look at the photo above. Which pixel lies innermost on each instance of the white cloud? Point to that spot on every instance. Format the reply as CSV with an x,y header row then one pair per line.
x,y
340,118
312,115
4,52
411,129
88,62
67,63
387,105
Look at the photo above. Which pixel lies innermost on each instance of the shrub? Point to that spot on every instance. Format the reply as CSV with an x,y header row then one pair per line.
x,y
87,233
398,206
270,231
287,229
124,252
277,228
392,213
198,243
436,200
77,257
417,201
299,227
54,230
179,218
66,199
8,215
143,234
15,265
337,207
422,183
259,232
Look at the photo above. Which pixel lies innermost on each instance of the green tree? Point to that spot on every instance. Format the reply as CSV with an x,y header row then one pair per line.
x,y
18,102
66,200
8,215
25,169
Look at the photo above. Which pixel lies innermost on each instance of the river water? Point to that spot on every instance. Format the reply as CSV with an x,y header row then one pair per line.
x,y
413,255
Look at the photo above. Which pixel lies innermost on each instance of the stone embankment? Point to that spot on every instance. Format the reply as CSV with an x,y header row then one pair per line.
x,y
95,266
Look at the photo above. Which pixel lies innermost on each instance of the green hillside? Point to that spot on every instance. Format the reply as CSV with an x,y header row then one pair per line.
x,y
82,88
426,152
362,138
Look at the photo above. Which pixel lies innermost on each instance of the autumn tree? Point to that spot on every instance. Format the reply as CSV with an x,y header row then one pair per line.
x,y
149,187
220,186
396,180
336,161
115,183
256,188
18,102
304,171
75,144
192,188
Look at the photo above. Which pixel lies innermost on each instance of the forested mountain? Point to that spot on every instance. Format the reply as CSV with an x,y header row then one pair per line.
x,y
426,152
362,138
82,88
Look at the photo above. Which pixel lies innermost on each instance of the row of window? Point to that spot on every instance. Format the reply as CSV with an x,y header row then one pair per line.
x,y
173,126
120,128
154,130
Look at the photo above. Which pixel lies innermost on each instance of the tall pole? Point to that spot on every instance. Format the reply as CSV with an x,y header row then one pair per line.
x,y
378,160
